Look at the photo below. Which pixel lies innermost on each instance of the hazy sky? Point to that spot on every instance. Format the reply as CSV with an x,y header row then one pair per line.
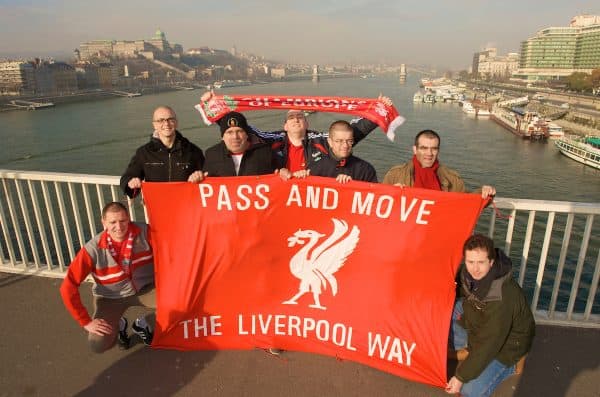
x,y
443,33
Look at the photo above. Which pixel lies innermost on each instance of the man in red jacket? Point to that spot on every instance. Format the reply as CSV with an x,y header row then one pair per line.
x,y
120,261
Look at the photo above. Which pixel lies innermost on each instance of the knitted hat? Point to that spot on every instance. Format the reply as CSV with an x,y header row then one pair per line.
x,y
233,119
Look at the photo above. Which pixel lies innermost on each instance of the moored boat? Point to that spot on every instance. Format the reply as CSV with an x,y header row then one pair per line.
x,y
468,108
481,112
231,83
585,150
506,119
30,105
429,97
555,131
472,110
527,125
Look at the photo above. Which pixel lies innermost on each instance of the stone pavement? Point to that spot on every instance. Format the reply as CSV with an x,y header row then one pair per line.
x,y
43,352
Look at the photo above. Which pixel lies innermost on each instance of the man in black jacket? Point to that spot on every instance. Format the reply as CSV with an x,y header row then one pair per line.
x,y
236,154
339,162
168,157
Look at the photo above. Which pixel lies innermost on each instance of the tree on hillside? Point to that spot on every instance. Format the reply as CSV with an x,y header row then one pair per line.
x,y
579,81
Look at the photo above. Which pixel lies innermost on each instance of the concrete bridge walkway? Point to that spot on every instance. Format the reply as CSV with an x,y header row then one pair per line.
x,y
43,352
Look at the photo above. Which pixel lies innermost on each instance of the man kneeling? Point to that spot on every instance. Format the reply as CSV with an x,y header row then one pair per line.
x,y
121,263
492,324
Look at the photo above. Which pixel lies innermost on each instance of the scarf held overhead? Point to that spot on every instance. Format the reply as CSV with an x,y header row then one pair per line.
x,y
386,117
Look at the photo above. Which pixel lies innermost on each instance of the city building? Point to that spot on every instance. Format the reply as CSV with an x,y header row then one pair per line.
x,y
205,51
557,52
96,49
54,78
156,47
129,49
16,78
160,43
498,66
200,51
481,56
278,73
101,75
488,64
214,72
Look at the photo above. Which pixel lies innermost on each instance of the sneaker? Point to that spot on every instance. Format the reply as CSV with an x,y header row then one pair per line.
x,y
143,332
123,340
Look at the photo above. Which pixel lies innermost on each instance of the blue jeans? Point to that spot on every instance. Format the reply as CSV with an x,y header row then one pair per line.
x,y
487,381
458,335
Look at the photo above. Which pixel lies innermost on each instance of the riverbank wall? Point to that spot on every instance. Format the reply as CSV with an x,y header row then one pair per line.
x,y
82,96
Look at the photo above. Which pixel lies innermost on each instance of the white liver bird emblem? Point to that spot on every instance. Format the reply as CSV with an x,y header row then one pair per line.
x,y
316,266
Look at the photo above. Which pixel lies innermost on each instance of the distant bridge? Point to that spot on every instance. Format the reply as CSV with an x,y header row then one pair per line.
x,y
310,74
421,71
321,74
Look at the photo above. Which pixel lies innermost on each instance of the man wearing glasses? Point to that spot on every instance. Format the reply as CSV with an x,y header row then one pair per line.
x,y
425,171
168,157
296,147
340,163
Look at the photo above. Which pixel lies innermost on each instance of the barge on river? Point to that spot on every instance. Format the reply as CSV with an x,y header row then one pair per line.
x,y
527,125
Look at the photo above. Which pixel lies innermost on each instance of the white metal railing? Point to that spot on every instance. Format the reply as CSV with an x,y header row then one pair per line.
x,y
45,217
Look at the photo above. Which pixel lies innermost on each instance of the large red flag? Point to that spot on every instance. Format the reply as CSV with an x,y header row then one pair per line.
x,y
360,271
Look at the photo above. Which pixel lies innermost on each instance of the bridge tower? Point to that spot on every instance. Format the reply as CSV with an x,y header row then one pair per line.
x,y
315,74
403,73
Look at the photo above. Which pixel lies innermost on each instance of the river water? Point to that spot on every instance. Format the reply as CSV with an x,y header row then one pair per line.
x,y
99,137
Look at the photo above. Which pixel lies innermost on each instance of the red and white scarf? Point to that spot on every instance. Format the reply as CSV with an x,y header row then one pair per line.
x,y
123,258
377,111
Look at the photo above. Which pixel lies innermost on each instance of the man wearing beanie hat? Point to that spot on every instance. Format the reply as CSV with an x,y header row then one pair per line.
x,y
296,148
236,154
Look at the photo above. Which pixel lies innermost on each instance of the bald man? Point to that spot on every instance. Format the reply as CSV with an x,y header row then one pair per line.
x,y
168,157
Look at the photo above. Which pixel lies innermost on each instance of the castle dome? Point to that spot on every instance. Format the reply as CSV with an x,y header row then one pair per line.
x,y
159,34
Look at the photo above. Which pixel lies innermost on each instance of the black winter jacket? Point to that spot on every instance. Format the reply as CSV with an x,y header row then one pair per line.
x,y
154,162
355,167
257,160
314,143
499,326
